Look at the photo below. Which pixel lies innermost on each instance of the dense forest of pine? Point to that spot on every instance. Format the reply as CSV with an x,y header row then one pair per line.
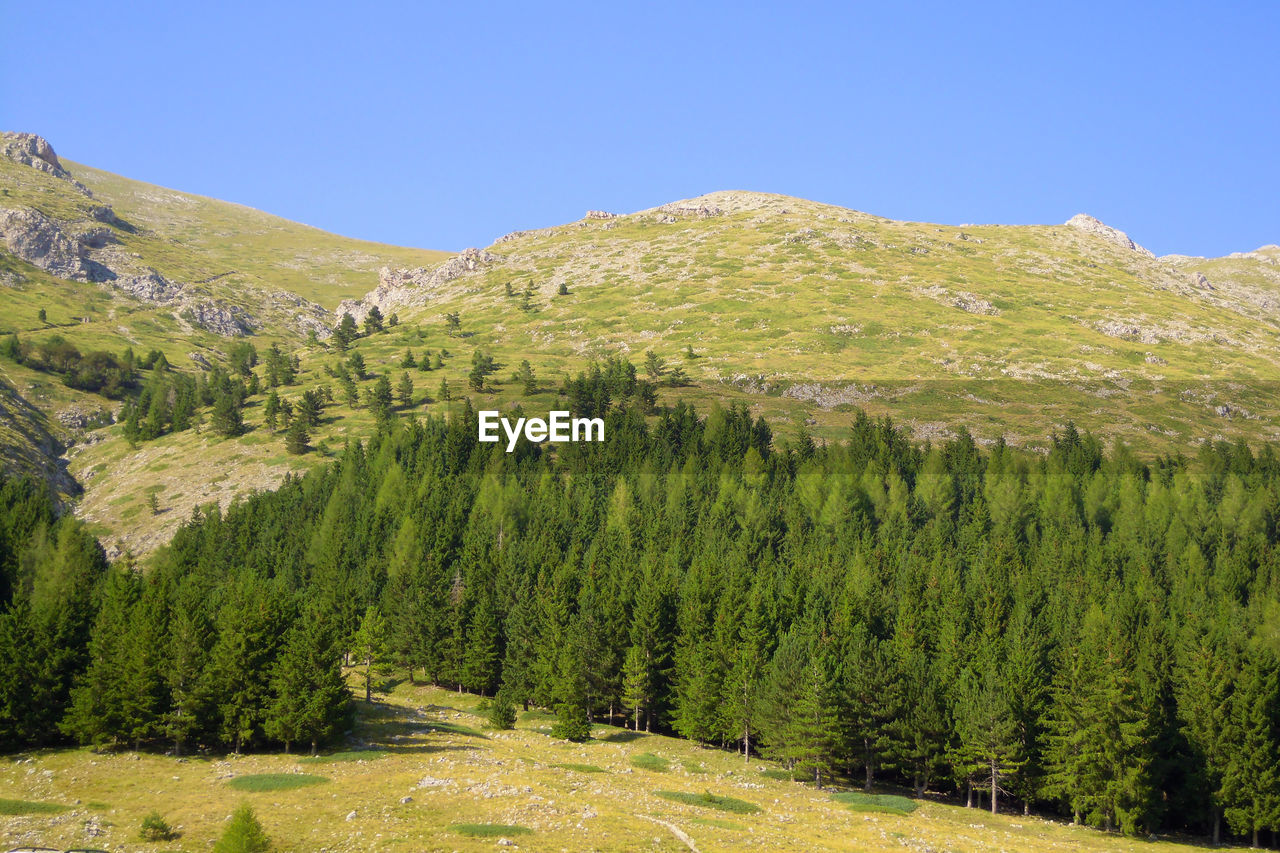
x,y
1082,632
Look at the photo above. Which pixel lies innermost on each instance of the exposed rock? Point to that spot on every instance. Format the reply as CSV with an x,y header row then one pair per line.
x,y
229,322
1089,225
600,214
149,287
1152,358
1202,282
962,300
400,287
199,360
693,207
41,242
1128,331
36,152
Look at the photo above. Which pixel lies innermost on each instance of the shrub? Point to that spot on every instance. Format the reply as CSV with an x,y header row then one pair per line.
x,y
571,723
156,828
243,835
502,713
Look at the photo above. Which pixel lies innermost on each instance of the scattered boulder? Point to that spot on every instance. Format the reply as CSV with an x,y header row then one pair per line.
x,y
600,214
1202,282
1089,225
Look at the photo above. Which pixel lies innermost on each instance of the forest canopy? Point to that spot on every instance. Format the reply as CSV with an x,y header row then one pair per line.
x,y
1084,632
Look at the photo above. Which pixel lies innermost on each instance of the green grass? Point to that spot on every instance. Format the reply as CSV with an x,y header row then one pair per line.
x,y
580,768
27,807
718,824
710,801
889,803
649,761
692,766
488,830
262,782
347,755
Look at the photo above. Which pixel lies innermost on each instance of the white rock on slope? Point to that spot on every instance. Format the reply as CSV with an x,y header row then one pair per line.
x,y
1089,225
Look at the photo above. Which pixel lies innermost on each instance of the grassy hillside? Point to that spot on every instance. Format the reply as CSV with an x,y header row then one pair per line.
x,y
804,311
427,773
197,238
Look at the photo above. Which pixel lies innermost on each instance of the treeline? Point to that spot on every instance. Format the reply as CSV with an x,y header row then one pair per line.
x,y
1082,632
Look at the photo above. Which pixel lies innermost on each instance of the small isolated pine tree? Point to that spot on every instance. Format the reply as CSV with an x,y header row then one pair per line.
x,y
42,316
444,390
244,834
502,714
404,391
296,438
563,290
571,723
156,828
452,324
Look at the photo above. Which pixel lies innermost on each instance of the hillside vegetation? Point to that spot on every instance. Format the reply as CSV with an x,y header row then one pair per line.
x,y
804,311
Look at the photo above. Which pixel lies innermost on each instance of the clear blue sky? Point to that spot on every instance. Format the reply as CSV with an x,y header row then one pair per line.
x,y
447,125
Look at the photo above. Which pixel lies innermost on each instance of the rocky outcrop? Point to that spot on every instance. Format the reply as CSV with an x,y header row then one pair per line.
x,y
229,321
600,214
42,242
36,152
149,286
401,287
692,207
1089,225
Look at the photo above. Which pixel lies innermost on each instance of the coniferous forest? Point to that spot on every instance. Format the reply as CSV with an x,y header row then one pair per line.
x,y
1085,632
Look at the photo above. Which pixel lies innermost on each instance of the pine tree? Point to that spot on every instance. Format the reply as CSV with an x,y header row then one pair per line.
x,y
309,696
271,411
244,834
502,713
368,647
404,391
297,438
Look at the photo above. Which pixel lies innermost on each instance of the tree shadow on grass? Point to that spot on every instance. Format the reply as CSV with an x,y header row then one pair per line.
x,y
622,736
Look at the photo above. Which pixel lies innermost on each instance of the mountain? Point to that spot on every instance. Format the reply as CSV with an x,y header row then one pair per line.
x,y
804,311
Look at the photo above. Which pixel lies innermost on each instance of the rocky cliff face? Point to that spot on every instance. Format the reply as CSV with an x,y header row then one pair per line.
x,y
400,287
36,152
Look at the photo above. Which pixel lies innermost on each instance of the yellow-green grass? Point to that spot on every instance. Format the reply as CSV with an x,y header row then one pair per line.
x,y
510,778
